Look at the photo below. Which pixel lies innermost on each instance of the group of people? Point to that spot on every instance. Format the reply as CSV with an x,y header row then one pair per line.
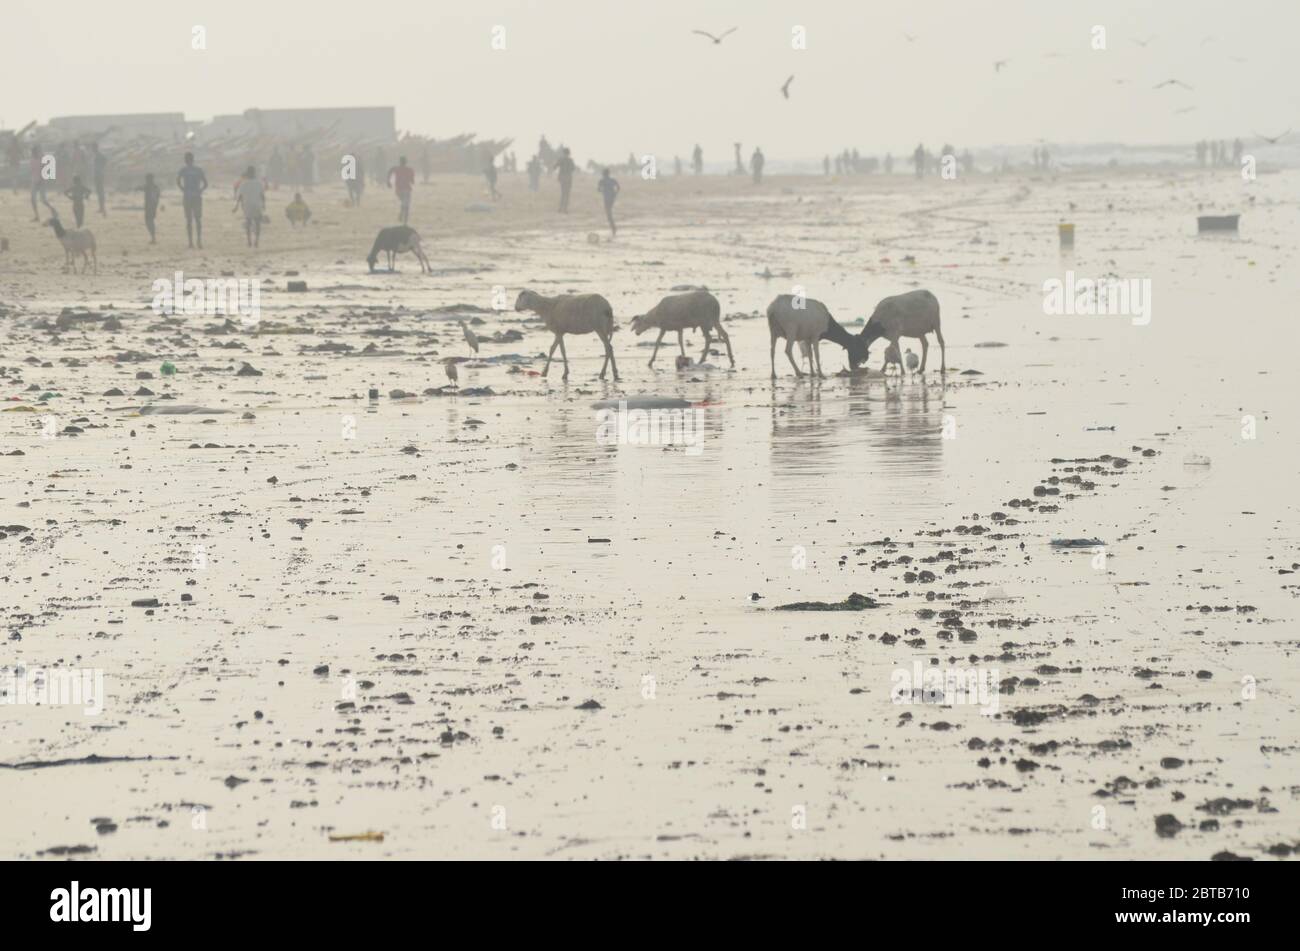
x,y
1215,153
70,168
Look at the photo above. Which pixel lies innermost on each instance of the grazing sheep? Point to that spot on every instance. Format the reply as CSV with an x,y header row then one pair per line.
x,y
913,314
679,312
75,242
807,326
398,240
573,314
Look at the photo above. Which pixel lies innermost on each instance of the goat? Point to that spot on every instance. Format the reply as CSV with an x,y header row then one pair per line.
x,y
573,314
398,240
913,314
75,242
807,326
694,309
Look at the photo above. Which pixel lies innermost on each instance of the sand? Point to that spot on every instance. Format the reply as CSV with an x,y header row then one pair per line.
x,y
466,625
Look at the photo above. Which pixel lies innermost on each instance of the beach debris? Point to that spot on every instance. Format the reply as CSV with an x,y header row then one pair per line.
x,y
854,602
1077,542
359,837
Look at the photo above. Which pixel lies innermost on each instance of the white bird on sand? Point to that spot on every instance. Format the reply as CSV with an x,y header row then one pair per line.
x,y
450,366
469,337
716,39
913,361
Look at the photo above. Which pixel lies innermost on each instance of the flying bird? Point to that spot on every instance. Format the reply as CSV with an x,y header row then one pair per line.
x,y
998,64
1143,43
909,37
716,39
785,89
1179,112
1171,82
469,337
1275,139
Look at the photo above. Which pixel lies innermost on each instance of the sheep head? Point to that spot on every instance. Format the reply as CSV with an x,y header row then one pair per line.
x,y
639,325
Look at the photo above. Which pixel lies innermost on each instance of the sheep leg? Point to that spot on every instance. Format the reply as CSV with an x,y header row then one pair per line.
x,y
789,355
817,352
943,351
554,343
609,355
773,354
925,349
722,334
680,344
657,342
565,356
705,353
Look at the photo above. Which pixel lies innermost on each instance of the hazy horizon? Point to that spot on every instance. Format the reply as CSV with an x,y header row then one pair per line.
x,y
636,78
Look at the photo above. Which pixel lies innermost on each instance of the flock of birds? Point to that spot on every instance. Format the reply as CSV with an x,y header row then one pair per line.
x,y
1001,64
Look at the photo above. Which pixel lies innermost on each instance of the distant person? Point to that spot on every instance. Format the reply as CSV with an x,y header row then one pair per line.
x,y
889,163
490,173
756,163
99,167
826,166
401,178
677,166
38,183
565,167
152,196
426,164
357,182
918,160
251,193
78,194
308,168
192,183
697,160
534,173
1237,149
740,165
297,211
275,168
609,188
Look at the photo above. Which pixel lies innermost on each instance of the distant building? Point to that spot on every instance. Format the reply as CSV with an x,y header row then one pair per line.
x,y
373,123
160,125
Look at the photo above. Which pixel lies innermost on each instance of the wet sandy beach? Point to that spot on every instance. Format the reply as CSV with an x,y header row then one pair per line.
x,y
462,622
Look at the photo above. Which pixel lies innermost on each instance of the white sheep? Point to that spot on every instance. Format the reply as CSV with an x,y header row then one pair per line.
x,y
75,242
573,314
807,325
679,312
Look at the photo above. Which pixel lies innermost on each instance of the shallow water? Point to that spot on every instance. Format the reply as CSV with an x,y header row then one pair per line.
x,y
726,729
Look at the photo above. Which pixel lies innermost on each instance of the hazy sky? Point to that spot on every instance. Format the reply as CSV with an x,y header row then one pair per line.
x,y
613,76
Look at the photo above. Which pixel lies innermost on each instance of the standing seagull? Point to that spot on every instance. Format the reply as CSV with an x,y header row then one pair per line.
x,y
785,89
469,337
716,39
